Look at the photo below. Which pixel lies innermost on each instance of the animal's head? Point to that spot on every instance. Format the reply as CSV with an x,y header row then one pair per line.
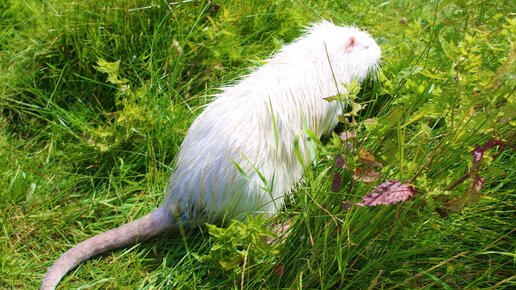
x,y
352,53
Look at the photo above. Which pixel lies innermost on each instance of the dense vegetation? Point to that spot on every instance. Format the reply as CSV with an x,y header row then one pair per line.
x,y
96,96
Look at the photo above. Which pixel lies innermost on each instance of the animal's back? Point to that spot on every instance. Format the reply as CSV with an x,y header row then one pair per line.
x,y
247,135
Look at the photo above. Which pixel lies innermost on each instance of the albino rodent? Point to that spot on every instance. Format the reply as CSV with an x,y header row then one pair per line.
x,y
238,156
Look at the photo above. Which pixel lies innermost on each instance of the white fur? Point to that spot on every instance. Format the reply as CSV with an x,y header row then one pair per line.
x,y
238,128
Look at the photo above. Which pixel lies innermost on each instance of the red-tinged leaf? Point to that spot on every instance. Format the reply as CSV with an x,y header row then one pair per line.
x,y
346,205
389,192
281,232
336,184
472,195
348,138
477,156
347,135
479,151
339,162
279,270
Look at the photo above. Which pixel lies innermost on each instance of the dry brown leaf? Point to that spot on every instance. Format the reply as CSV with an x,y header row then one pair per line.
x,y
368,166
366,174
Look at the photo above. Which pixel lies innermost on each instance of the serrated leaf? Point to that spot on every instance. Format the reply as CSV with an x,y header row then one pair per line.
x,y
355,108
111,69
339,98
389,192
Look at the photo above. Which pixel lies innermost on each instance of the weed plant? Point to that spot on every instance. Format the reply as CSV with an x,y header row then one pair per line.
x,y
96,97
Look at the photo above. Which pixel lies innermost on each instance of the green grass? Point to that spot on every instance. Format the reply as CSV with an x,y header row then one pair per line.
x,y
80,154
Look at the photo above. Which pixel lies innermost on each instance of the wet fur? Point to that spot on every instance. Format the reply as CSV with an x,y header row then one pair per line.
x,y
238,155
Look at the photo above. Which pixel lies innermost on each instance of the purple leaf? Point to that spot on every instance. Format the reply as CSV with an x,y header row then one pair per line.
x,y
479,151
472,195
389,192
339,162
346,135
336,184
347,139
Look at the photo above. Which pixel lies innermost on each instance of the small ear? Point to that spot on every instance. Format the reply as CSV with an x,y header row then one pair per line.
x,y
352,40
350,43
